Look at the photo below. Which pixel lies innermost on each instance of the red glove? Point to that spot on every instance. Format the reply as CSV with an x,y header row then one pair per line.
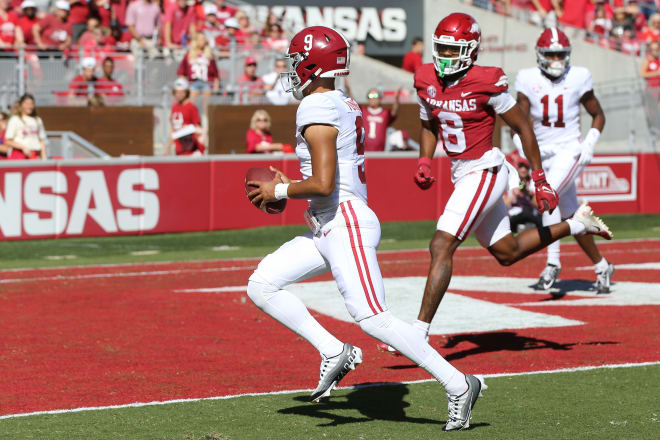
x,y
545,195
423,177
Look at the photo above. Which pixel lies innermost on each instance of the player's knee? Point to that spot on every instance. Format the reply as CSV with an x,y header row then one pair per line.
x,y
377,325
506,259
259,290
440,247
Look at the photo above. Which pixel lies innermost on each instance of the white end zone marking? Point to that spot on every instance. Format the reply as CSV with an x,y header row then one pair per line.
x,y
460,314
274,393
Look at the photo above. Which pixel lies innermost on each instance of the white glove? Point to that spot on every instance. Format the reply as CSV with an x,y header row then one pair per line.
x,y
587,147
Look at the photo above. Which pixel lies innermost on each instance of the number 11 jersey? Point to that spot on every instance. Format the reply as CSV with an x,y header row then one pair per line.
x,y
555,105
336,109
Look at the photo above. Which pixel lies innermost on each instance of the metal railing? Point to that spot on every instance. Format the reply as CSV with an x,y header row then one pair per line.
x,y
69,145
142,74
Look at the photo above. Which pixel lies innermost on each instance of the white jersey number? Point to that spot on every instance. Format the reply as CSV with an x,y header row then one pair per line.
x,y
453,136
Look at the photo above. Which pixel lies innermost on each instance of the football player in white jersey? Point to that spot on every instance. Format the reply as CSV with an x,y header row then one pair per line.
x,y
344,231
552,93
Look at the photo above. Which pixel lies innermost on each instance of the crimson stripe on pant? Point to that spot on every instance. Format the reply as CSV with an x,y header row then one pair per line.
x,y
474,202
364,258
355,255
570,176
493,178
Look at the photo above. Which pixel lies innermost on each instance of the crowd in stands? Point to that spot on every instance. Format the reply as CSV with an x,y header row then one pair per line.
x,y
622,25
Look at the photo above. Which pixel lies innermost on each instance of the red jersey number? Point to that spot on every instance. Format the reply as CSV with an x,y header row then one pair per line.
x,y
359,144
559,123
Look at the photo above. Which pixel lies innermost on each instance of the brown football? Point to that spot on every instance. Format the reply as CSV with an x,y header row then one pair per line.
x,y
261,174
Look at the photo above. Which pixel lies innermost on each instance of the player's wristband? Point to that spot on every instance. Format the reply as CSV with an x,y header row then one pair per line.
x,y
282,191
424,161
592,136
538,176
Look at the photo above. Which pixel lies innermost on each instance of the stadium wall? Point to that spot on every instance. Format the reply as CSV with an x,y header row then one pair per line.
x,y
54,199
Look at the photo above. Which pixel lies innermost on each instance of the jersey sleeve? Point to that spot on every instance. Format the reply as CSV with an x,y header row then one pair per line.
x,y
587,83
496,81
520,84
501,102
425,111
317,109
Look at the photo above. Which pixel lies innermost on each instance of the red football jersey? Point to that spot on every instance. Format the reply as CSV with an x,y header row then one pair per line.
x,y
465,119
376,122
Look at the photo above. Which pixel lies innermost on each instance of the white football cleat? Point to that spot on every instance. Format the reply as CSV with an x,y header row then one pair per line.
x,y
335,368
594,225
460,407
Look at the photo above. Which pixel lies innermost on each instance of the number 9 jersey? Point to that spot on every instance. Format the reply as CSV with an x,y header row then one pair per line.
x,y
336,109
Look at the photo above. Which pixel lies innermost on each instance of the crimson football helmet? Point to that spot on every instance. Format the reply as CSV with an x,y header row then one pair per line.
x,y
315,52
553,41
462,32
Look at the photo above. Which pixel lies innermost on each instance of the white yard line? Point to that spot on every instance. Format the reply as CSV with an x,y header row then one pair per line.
x,y
272,393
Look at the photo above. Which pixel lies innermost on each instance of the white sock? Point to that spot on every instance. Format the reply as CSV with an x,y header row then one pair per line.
x,y
601,266
290,311
553,248
422,326
577,228
408,341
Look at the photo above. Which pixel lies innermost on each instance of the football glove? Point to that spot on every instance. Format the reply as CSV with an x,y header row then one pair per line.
x,y
544,192
423,177
587,147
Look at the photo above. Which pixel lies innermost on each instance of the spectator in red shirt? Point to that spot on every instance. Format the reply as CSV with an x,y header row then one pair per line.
x,y
93,35
575,11
78,15
178,24
601,25
652,32
224,40
107,86
251,87
275,39
258,138
377,119
246,30
27,20
118,40
118,8
54,31
83,86
224,11
10,32
651,66
100,9
413,59
186,123
199,68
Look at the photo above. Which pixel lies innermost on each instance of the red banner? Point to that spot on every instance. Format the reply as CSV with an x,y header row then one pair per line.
x,y
95,198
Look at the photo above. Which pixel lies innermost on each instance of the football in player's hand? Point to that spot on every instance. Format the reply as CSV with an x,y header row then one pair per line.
x,y
261,174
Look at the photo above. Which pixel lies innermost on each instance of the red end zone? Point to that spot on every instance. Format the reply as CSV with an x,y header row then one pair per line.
x,y
110,335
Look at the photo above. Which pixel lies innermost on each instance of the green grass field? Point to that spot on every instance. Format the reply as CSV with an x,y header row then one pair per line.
x,y
238,244
620,403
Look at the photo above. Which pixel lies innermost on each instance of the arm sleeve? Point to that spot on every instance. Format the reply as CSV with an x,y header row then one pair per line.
x,y
317,109
425,111
501,102
12,128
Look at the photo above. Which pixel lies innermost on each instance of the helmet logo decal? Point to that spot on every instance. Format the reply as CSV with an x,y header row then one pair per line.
x,y
475,27
431,91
